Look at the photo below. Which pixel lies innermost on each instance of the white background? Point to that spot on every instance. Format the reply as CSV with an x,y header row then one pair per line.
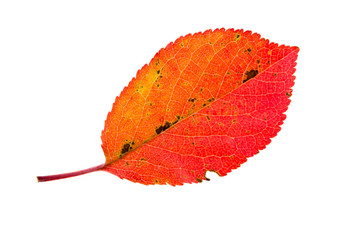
x,y
62,63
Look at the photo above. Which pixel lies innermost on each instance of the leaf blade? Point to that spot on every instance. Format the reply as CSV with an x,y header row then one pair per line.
x,y
153,154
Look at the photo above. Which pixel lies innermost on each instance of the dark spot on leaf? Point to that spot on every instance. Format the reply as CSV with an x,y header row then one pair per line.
x,y
250,74
163,127
158,71
288,94
199,180
204,104
126,147
156,181
191,99
208,118
126,164
248,50
211,99
176,121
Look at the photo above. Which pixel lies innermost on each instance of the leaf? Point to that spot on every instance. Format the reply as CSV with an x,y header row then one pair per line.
x,y
205,102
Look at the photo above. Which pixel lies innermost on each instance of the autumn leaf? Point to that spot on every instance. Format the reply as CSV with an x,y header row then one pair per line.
x,y
205,102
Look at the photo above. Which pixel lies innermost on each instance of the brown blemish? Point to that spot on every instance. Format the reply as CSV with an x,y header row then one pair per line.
x,y
199,180
176,121
288,94
210,99
237,36
250,74
208,117
163,127
126,148
192,100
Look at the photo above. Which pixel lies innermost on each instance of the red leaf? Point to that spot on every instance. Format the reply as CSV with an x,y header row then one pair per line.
x,y
206,102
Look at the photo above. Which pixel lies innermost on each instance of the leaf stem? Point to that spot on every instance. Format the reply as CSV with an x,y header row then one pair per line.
x,y
67,175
